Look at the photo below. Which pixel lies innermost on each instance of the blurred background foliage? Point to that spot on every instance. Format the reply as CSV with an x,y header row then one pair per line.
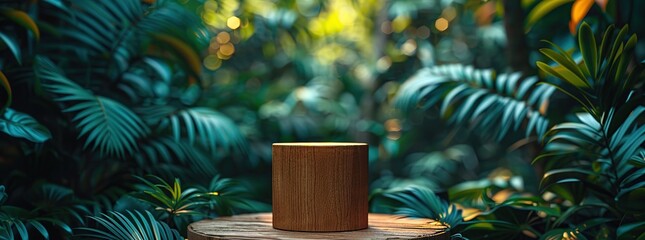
x,y
501,118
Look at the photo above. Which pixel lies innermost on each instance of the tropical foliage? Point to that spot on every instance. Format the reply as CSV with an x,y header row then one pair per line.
x,y
592,160
97,92
501,119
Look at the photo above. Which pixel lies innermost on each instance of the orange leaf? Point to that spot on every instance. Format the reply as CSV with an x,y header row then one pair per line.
x,y
184,51
578,12
4,82
22,19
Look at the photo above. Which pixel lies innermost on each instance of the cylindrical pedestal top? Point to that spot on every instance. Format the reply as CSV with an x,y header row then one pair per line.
x,y
320,186
258,226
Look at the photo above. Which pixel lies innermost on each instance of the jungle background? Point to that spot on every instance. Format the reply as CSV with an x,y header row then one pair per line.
x,y
503,119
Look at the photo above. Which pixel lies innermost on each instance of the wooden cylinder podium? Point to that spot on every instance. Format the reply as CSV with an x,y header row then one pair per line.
x,y
320,187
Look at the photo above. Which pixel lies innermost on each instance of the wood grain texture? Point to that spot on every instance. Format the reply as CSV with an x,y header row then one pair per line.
x,y
258,226
320,187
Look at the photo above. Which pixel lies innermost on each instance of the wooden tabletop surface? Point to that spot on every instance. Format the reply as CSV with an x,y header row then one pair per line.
x,y
258,226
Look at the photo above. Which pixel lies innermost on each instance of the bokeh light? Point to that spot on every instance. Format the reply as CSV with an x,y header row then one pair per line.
x,y
441,24
423,32
233,22
212,62
223,38
227,49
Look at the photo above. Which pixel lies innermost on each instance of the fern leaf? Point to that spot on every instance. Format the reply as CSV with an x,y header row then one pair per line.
x,y
206,127
107,124
421,202
130,225
116,31
167,150
479,98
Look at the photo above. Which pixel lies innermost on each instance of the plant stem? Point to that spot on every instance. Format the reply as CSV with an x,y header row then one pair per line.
x,y
606,142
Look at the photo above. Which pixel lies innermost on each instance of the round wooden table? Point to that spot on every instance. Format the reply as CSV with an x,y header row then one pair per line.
x,y
258,226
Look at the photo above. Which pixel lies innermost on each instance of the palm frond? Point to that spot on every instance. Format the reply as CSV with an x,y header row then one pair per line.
x,y
107,124
598,149
119,30
206,127
602,159
226,197
58,202
495,105
130,225
15,222
421,202
167,150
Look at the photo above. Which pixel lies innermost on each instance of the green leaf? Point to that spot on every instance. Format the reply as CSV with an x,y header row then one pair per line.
x,y
587,44
629,231
23,19
22,230
570,73
137,225
40,228
476,97
108,125
13,46
542,9
421,202
604,45
3,195
21,125
57,3
208,127
565,175
4,82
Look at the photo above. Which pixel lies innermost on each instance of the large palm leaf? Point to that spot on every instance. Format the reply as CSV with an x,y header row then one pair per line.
x,y
497,105
108,125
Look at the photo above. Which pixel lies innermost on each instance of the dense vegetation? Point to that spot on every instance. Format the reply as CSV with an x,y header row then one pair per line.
x,y
131,119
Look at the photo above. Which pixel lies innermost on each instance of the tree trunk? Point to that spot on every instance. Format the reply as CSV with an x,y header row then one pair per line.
x,y
516,50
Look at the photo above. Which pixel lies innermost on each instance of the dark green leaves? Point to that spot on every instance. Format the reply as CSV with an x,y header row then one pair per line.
x,y
206,127
107,124
594,161
226,197
13,46
496,106
570,73
587,44
15,222
603,81
21,125
421,202
130,225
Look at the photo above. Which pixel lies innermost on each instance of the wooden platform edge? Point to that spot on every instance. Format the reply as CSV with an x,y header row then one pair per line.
x,y
258,226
